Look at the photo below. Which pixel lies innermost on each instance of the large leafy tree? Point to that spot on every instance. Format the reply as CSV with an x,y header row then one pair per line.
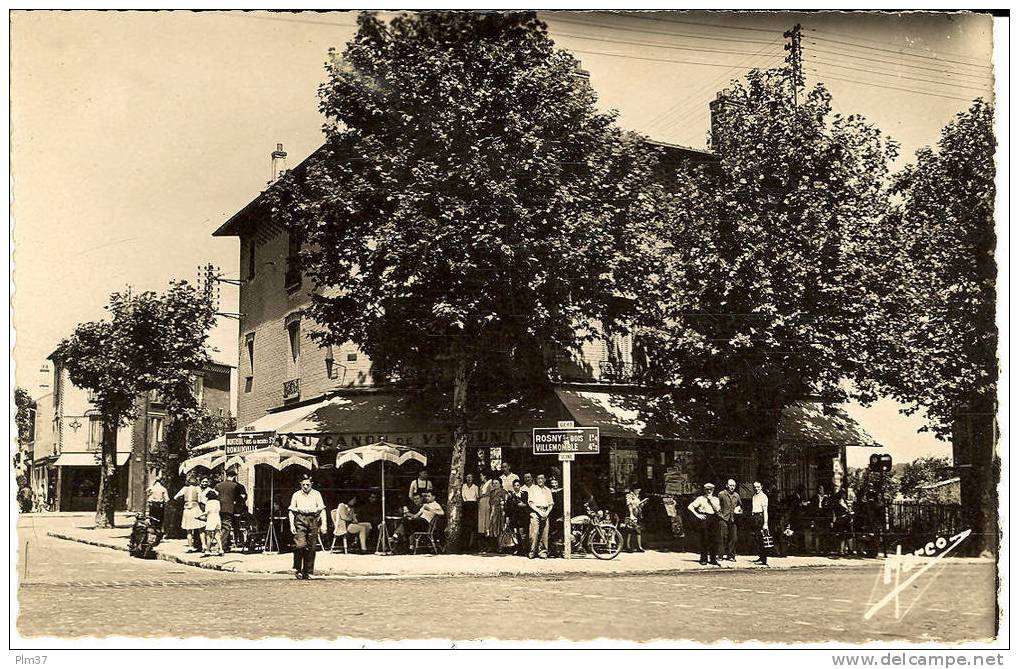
x,y
934,335
761,288
471,209
148,342
936,332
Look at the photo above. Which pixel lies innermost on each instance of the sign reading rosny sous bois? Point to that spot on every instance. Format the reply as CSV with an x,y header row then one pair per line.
x,y
553,440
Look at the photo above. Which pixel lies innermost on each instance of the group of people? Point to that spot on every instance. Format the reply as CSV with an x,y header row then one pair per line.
x,y
211,514
835,524
716,517
504,512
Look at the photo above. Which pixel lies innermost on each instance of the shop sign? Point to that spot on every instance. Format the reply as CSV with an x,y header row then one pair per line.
x,y
476,438
555,440
245,442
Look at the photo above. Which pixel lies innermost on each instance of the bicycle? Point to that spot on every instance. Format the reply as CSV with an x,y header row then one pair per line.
x,y
596,535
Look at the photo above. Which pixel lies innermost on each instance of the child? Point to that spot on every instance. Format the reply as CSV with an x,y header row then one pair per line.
x,y
213,525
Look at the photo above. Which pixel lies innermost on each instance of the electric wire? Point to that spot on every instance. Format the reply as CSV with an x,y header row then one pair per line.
x,y
683,107
901,53
668,33
651,44
898,63
825,76
873,41
950,84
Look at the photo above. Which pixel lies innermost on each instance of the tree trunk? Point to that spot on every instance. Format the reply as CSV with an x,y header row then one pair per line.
x,y
974,437
454,499
763,434
106,497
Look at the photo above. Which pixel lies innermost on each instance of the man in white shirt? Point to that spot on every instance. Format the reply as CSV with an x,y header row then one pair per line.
x,y
705,509
507,477
759,507
157,498
421,520
469,492
307,519
525,487
539,499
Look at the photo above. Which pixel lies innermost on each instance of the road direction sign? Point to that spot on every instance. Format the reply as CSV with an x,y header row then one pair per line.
x,y
554,440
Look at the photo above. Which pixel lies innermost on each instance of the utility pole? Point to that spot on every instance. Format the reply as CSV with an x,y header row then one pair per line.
x,y
794,60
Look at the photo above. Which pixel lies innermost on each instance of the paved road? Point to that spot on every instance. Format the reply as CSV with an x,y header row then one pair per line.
x,y
78,590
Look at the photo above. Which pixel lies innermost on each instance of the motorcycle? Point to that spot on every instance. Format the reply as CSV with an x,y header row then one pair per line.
x,y
146,534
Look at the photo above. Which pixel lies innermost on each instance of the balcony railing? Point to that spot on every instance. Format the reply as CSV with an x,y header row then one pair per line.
x,y
606,370
616,370
291,389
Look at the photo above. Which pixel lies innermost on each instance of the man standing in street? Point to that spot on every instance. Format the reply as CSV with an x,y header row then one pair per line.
x,y
232,497
156,498
730,508
759,507
705,508
539,499
307,519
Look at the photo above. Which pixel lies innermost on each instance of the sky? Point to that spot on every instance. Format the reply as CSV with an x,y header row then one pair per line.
x,y
136,134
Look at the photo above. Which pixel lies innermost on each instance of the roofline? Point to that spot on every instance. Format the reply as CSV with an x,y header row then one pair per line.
x,y
704,152
230,227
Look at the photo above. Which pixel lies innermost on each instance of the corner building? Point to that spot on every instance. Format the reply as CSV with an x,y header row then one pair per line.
x,y
324,400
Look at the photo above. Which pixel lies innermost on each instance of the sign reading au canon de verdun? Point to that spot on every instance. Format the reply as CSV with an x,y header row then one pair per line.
x,y
478,438
243,442
551,440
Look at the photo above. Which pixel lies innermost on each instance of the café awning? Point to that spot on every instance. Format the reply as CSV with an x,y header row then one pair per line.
x,y
86,460
809,423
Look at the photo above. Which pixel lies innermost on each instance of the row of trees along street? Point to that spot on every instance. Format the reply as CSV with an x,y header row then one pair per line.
x,y
472,214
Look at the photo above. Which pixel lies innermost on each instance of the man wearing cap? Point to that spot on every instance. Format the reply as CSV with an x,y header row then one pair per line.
x,y
307,519
705,508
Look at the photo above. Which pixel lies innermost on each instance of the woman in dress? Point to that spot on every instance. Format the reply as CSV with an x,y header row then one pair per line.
x,y
497,514
189,521
484,510
632,526
213,524
517,514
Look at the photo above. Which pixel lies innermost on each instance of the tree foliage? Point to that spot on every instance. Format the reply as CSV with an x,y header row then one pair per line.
x,y
920,472
183,435
471,209
935,339
148,342
24,404
762,286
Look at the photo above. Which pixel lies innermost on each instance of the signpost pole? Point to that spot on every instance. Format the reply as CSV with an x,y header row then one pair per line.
x,y
567,529
567,441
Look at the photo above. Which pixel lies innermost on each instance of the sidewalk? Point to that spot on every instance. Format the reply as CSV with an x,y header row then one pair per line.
x,y
410,566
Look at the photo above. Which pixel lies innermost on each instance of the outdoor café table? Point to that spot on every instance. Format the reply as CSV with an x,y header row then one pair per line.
x,y
382,546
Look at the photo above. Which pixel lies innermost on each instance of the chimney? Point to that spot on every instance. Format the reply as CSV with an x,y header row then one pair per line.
x,y
718,108
45,376
279,163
